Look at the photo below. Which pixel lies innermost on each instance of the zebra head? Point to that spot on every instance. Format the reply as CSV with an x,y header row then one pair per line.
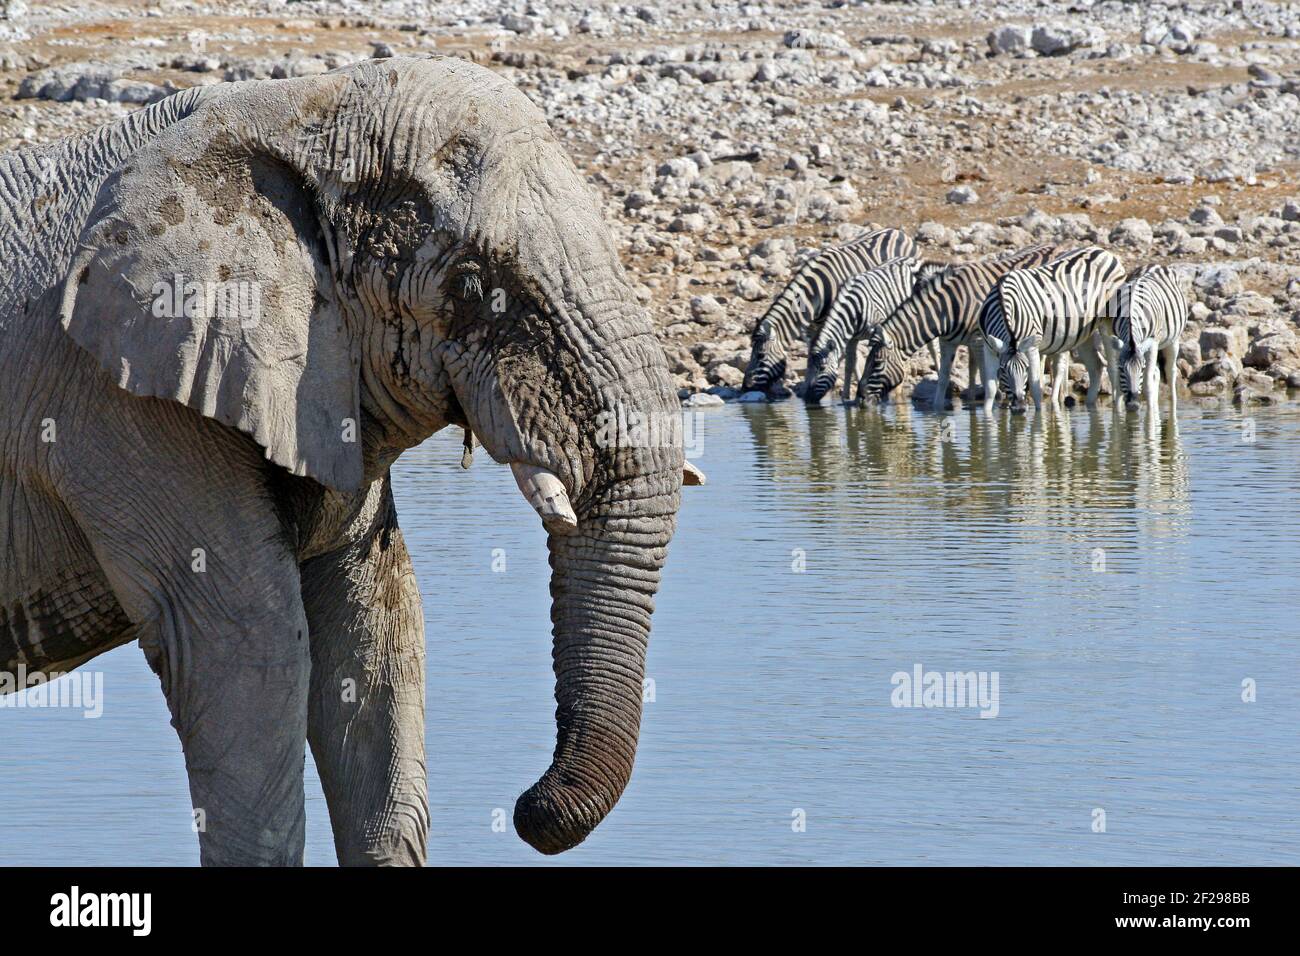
x,y
826,351
1132,338
821,375
1132,370
884,371
1013,373
766,361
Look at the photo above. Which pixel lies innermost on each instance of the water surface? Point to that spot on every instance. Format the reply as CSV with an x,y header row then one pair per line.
x,y
1121,583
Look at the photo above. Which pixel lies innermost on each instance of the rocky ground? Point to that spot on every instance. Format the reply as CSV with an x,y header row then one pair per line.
x,y
732,139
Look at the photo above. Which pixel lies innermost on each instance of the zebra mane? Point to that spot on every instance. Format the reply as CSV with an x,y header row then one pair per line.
x,y
933,273
1006,321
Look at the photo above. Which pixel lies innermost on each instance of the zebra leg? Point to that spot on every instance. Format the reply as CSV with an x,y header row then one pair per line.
x,y
1060,375
1049,365
1091,359
1105,337
975,377
1112,364
988,362
1153,383
850,368
1036,379
947,352
933,346
1171,375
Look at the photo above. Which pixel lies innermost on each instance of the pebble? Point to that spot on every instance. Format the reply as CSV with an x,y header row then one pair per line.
x,y
701,400
728,143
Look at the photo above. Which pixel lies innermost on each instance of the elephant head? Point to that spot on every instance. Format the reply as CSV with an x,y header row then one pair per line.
x,y
340,265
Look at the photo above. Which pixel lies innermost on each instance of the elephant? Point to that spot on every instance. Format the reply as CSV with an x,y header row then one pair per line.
x,y
224,317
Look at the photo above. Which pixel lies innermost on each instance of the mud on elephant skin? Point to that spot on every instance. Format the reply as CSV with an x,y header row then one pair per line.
x,y
238,306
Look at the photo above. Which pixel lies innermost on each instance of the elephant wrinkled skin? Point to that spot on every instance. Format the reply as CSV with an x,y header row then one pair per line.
x,y
223,319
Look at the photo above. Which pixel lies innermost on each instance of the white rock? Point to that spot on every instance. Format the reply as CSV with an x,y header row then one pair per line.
x,y
517,23
934,234
705,308
1220,340
727,375
679,168
962,196
83,82
1010,39
1218,279
814,40
1054,40
702,400
1182,34
691,222
750,289
1132,232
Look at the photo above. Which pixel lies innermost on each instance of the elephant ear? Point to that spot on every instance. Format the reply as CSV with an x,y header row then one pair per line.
x,y
202,277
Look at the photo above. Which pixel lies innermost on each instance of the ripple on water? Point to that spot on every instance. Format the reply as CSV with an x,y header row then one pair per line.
x,y
831,549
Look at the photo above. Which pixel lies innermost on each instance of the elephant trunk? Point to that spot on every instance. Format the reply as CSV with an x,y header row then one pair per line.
x,y
604,576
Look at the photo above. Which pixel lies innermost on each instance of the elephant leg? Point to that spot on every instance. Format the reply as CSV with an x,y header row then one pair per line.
x,y
237,693
366,715
200,563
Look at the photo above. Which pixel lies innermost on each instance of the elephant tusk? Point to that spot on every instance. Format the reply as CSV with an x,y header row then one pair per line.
x,y
546,494
692,475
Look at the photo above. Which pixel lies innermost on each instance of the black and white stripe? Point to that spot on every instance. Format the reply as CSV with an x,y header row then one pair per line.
x,y
864,301
1150,314
1061,306
796,314
944,307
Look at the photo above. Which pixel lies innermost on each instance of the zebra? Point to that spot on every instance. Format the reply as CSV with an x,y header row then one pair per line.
x,y
944,307
864,301
805,299
1150,312
1060,306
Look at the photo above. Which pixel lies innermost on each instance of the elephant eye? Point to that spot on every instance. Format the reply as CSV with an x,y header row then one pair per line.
x,y
467,282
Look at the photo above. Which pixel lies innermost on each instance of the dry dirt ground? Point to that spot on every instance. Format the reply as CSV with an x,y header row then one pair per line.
x,y
731,140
